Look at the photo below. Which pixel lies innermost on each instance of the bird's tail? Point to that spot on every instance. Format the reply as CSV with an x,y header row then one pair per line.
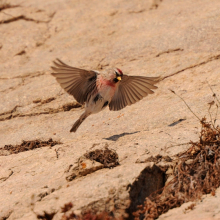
x,y
79,122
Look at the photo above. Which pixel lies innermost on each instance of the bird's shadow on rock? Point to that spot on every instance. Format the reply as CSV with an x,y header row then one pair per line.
x,y
117,136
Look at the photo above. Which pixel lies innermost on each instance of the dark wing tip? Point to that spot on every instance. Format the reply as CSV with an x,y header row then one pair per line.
x,y
55,64
132,90
157,79
58,64
60,61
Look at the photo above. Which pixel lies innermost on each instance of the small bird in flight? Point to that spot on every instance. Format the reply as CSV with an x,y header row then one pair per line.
x,y
101,89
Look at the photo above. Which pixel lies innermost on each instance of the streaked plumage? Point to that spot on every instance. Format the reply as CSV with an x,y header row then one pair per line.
x,y
110,88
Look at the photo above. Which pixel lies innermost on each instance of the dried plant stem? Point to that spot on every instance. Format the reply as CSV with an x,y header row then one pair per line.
x,y
186,105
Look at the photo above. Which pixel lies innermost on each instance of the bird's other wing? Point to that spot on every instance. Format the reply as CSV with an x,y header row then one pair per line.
x,y
77,82
132,89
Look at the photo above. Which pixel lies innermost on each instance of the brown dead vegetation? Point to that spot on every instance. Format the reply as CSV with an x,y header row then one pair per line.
x,y
107,157
27,145
196,172
68,214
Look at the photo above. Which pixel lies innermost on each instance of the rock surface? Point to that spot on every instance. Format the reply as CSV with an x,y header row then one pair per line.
x,y
177,40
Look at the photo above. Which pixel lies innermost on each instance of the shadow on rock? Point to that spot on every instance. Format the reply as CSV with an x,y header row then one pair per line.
x,y
150,180
117,136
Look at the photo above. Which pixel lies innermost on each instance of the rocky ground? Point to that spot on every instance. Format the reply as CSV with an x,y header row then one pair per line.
x,y
177,40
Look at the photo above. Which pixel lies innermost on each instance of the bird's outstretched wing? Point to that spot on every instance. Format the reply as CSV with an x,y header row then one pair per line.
x,y
132,89
77,82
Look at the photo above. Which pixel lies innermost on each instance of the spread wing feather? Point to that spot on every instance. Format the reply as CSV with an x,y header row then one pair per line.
x,y
132,89
77,82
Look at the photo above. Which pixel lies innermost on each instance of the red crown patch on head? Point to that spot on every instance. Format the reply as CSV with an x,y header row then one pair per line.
x,y
120,71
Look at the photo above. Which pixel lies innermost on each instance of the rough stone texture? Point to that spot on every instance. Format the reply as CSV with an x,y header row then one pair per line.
x,y
178,40
207,208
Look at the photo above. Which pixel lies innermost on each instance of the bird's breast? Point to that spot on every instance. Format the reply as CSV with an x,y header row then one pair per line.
x,y
105,82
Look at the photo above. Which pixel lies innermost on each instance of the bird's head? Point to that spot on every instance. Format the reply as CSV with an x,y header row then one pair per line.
x,y
118,75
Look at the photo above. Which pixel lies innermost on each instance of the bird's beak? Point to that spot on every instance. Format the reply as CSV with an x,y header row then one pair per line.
x,y
119,78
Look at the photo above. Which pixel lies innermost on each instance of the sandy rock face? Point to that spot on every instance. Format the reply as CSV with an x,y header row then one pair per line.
x,y
177,40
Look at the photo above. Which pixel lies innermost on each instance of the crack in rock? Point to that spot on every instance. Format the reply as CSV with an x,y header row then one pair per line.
x,y
22,52
193,66
136,12
5,5
4,178
169,51
13,87
13,114
8,114
44,101
29,75
41,195
25,18
24,77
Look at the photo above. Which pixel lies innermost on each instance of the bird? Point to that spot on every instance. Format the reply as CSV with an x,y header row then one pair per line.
x,y
97,90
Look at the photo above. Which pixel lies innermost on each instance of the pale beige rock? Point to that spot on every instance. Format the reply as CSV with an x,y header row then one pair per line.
x,y
178,40
207,208
83,168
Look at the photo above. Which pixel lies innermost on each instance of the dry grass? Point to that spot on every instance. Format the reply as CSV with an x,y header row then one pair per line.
x,y
107,157
27,145
195,173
